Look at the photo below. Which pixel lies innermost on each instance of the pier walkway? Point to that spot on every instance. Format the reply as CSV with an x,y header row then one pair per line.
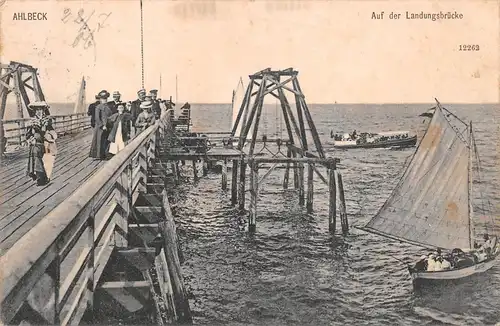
x,y
67,241
23,204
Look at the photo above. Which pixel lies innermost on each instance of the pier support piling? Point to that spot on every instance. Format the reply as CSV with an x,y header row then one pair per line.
x,y
234,183
241,185
205,168
342,208
310,187
301,183
332,211
254,190
195,171
224,175
287,171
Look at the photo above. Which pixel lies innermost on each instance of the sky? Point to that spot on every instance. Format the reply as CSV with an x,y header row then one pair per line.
x,y
341,53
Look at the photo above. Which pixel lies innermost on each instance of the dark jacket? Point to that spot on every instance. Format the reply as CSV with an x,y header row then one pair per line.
x,y
135,110
126,119
91,111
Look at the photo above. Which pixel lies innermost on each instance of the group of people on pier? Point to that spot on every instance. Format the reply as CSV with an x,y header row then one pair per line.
x,y
115,122
437,261
41,138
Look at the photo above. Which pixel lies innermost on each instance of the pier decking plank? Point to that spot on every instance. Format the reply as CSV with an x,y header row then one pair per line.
x,y
23,204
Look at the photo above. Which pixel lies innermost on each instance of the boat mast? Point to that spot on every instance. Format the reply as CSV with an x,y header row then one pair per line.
x,y
471,211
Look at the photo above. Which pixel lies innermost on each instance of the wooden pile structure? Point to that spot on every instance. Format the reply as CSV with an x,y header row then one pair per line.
x,y
299,152
14,78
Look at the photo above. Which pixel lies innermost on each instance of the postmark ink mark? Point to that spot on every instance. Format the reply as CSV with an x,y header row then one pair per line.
x,y
85,33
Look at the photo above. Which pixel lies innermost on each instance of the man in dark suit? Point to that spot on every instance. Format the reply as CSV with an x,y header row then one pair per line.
x,y
91,111
156,103
135,109
113,105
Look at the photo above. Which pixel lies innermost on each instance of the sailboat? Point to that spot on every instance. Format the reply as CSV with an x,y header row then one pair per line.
x,y
431,206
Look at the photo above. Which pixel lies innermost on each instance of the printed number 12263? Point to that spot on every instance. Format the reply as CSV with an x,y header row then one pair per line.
x,y
468,47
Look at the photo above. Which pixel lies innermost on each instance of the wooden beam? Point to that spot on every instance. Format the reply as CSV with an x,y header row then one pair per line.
x,y
169,235
259,101
224,175
241,185
323,161
254,194
267,173
343,213
310,188
310,121
301,121
234,183
332,208
246,98
290,115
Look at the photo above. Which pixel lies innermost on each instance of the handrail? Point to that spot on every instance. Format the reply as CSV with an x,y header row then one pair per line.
x,y
63,124
45,245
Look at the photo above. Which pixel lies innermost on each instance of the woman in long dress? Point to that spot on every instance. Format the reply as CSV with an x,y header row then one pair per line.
x,y
98,148
120,132
40,159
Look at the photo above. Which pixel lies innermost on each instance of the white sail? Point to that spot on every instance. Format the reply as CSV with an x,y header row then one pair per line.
x,y
430,204
80,99
238,97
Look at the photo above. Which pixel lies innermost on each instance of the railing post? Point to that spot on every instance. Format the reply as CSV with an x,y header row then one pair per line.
x,y
91,265
3,140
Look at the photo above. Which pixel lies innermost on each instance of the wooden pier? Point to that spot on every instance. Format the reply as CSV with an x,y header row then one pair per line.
x,y
97,239
100,238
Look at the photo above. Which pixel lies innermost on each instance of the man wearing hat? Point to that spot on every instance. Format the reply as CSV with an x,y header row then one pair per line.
x,y
156,103
99,145
113,105
135,109
146,118
91,111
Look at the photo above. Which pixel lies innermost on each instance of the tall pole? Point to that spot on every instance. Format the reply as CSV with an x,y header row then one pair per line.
x,y
176,90
160,87
142,47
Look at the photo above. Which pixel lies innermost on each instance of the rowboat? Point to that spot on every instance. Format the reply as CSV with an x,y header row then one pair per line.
x,y
431,205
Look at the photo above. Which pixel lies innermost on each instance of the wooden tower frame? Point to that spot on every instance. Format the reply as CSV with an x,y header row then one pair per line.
x,y
299,153
14,78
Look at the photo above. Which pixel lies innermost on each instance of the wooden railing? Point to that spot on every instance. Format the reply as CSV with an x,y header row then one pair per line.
x,y
14,130
61,259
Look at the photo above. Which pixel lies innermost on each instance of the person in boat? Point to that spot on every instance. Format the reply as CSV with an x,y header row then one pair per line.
x,y
113,105
36,134
445,263
91,111
431,263
354,134
421,265
98,148
135,110
487,244
439,264
120,132
146,118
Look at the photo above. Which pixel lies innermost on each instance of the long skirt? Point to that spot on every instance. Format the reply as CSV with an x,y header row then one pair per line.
x,y
99,143
118,144
36,169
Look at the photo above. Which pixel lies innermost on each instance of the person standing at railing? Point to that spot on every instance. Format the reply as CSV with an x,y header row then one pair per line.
x,y
120,132
40,131
145,119
135,110
98,148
